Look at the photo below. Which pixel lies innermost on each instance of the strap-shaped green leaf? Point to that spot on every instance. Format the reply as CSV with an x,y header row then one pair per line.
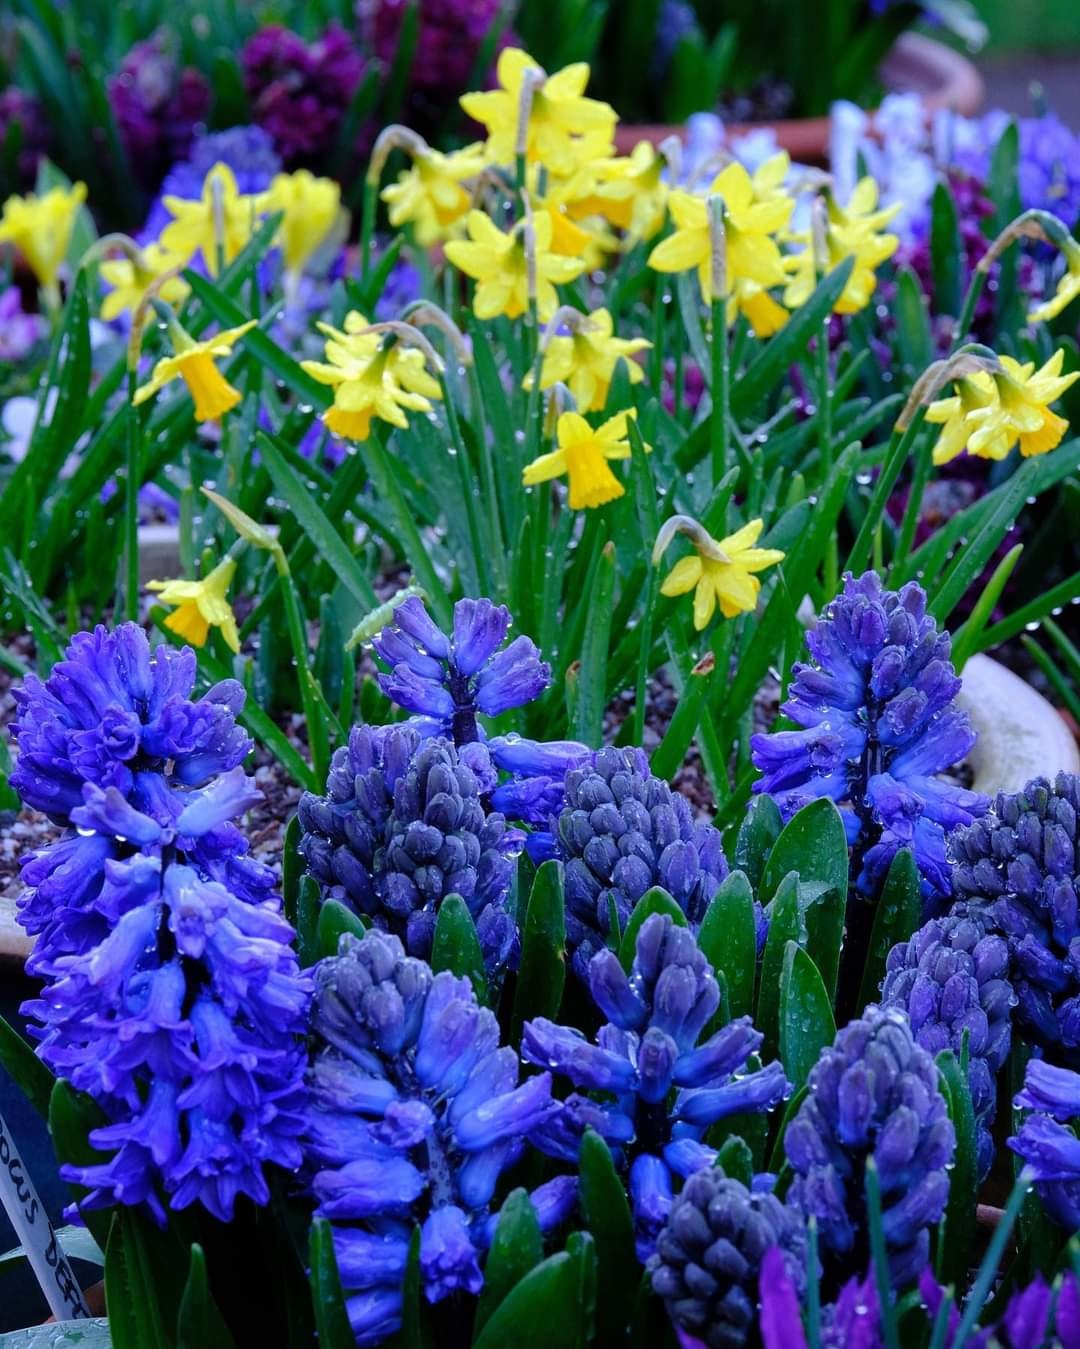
x,y
516,1248
542,970
456,947
806,1015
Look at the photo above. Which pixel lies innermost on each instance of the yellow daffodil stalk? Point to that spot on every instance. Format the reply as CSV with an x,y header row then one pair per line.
x,y
582,453
851,231
132,276
1068,288
195,363
430,195
310,208
500,265
556,113
755,209
585,359
201,605
221,220
373,374
717,571
40,228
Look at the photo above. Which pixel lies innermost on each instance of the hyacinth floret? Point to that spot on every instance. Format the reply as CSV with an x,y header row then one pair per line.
x,y
417,1113
1021,865
1047,1139
952,980
653,1090
447,680
873,1094
710,1252
620,832
403,824
876,704
172,994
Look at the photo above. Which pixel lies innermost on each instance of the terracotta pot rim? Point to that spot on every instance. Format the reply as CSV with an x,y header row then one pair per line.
x,y
944,78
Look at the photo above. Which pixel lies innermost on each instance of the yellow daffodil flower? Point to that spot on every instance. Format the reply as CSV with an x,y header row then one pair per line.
x,y
629,192
194,362
951,414
40,228
220,217
581,454
754,210
130,279
429,195
851,231
372,374
718,571
497,262
201,605
1022,410
310,208
586,358
559,116
1068,288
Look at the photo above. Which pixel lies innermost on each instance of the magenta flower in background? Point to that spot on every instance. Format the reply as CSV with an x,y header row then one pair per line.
x,y
300,92
158,105
17,106
19,331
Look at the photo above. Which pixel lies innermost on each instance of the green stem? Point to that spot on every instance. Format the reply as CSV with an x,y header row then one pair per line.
x,y
895,455
131,504
721,390
906,539
825,446
316,725
367,225
880,1258
487,473
967,311
461,454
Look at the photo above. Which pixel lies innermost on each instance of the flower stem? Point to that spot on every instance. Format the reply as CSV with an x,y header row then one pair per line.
x,y
316,725
367,224
825,446
131,503
967,311
721,390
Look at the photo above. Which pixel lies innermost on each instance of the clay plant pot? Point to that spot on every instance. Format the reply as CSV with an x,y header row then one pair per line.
x,y
917,64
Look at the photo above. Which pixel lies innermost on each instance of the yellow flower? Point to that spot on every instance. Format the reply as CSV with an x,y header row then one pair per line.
x,y
559,117
1068,288
754,210
851,231
40,228
201,605
629,192
498,263
194,363
1021,411
585,360
582,453
430,196
221,215
372,374
717,571
951,414
130,280
310,208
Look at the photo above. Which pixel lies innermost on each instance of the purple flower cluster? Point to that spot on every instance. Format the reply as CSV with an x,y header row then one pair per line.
x,y
300,92
874,1094
172,994
403,824
879,721
157,105
19,332
22,119
446,681
1046,1141
646,1085
418,1112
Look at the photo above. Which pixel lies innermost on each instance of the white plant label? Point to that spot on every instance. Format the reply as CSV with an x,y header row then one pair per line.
x,y
36,1235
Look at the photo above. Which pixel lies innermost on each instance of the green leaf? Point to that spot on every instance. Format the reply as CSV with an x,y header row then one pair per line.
x,y
760,828
736,1160
606,1210
28,1072
456,947
958,1230
814,845
592,682
728,937
199,1323
398,78
671,751
137,1318
76,1243
897,915
656,900
307,921
335,919
72,1115
516,1248
912,322
806,1016
92,1334
966,639
292,868
785,924
544,1310
781,351
542,970
327,541
777,1156
331,1319
945,252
